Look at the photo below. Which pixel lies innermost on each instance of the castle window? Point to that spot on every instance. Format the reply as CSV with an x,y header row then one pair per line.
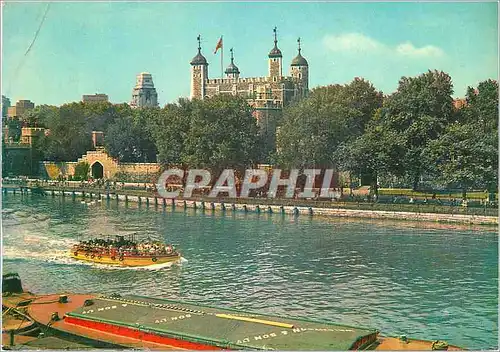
x,y
300,75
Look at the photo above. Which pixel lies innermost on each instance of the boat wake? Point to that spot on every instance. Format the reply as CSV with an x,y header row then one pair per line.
x,y
151,267
28,245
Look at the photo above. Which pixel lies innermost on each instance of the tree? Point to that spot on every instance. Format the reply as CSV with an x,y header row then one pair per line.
x,y
215,133
41,115
128,139
466,154
100,115
169,128
376,151
222,134
14,127
465,158
482,106
29,118
82,170
69,137
419,111
314,127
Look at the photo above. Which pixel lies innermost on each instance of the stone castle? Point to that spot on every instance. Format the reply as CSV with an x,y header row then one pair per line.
x,y
267,95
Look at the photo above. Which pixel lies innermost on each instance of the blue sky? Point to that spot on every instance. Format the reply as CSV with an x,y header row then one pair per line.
x,y
84,48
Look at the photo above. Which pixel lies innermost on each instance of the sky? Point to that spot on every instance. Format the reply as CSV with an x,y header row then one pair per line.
x,y
100,47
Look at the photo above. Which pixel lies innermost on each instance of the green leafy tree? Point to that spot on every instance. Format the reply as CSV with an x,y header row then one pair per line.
x,y
129,140
69,136
482,106
29,118
314,127
214,133
222,134
102,114
464,158
82,171
169,128
466,154
41,115
419,111
14,128
375,152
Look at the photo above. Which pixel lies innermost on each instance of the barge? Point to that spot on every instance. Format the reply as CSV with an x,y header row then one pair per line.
x,y
149,323
138,322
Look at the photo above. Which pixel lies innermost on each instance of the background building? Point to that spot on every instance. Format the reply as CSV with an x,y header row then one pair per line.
x,y
20,108
144,93
95,98
97,139
267,95
5,105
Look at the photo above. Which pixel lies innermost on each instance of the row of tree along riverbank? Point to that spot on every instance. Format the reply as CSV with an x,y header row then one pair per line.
x,y
417,136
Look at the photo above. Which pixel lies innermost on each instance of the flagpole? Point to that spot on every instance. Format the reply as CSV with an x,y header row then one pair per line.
x,y
222,59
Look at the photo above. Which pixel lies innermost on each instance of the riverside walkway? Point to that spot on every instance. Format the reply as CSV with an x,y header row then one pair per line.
x,y
474,215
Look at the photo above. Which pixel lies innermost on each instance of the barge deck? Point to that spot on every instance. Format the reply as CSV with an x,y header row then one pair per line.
x,y
151,323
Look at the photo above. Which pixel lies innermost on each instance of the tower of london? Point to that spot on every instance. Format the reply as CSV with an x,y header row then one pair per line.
x,y
267,95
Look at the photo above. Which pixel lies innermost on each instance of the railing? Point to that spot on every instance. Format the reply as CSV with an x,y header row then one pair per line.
x,y
352,204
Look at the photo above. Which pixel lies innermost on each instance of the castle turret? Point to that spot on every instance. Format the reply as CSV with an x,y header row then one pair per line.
x,y
275,59
144,93
232,70
199,74
300,70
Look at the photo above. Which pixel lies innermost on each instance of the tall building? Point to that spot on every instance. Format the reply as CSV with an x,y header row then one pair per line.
x,y
267,95
5,105
20,108
144,93
95,98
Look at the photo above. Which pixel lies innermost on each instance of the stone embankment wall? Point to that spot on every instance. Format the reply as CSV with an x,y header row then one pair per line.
x,y
276,209
110,166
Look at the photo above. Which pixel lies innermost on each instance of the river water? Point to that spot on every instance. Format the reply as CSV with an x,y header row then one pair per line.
x,y
401,278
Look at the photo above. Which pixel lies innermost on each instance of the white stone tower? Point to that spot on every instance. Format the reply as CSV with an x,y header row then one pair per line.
x,y
199,74
232,71
144,93
300,70
275,59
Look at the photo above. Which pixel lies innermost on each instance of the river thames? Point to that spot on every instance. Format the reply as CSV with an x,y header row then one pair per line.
x,y
398,277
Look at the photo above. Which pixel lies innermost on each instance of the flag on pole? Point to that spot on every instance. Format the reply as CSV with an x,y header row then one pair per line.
x,y
218,46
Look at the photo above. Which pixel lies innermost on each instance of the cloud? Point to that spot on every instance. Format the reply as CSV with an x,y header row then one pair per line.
x,y
359,43
408,49
351,42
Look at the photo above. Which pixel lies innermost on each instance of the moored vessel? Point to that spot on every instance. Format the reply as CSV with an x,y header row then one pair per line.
x,y
127,252
116,321
150,323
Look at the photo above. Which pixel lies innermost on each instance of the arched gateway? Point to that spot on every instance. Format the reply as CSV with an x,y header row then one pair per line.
x,y
101,166
97,170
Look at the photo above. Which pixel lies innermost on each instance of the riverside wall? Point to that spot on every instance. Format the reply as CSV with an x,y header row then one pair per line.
x,y
156,201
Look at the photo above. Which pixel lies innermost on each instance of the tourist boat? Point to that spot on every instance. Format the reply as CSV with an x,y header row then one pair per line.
x,y
124,252
125,321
